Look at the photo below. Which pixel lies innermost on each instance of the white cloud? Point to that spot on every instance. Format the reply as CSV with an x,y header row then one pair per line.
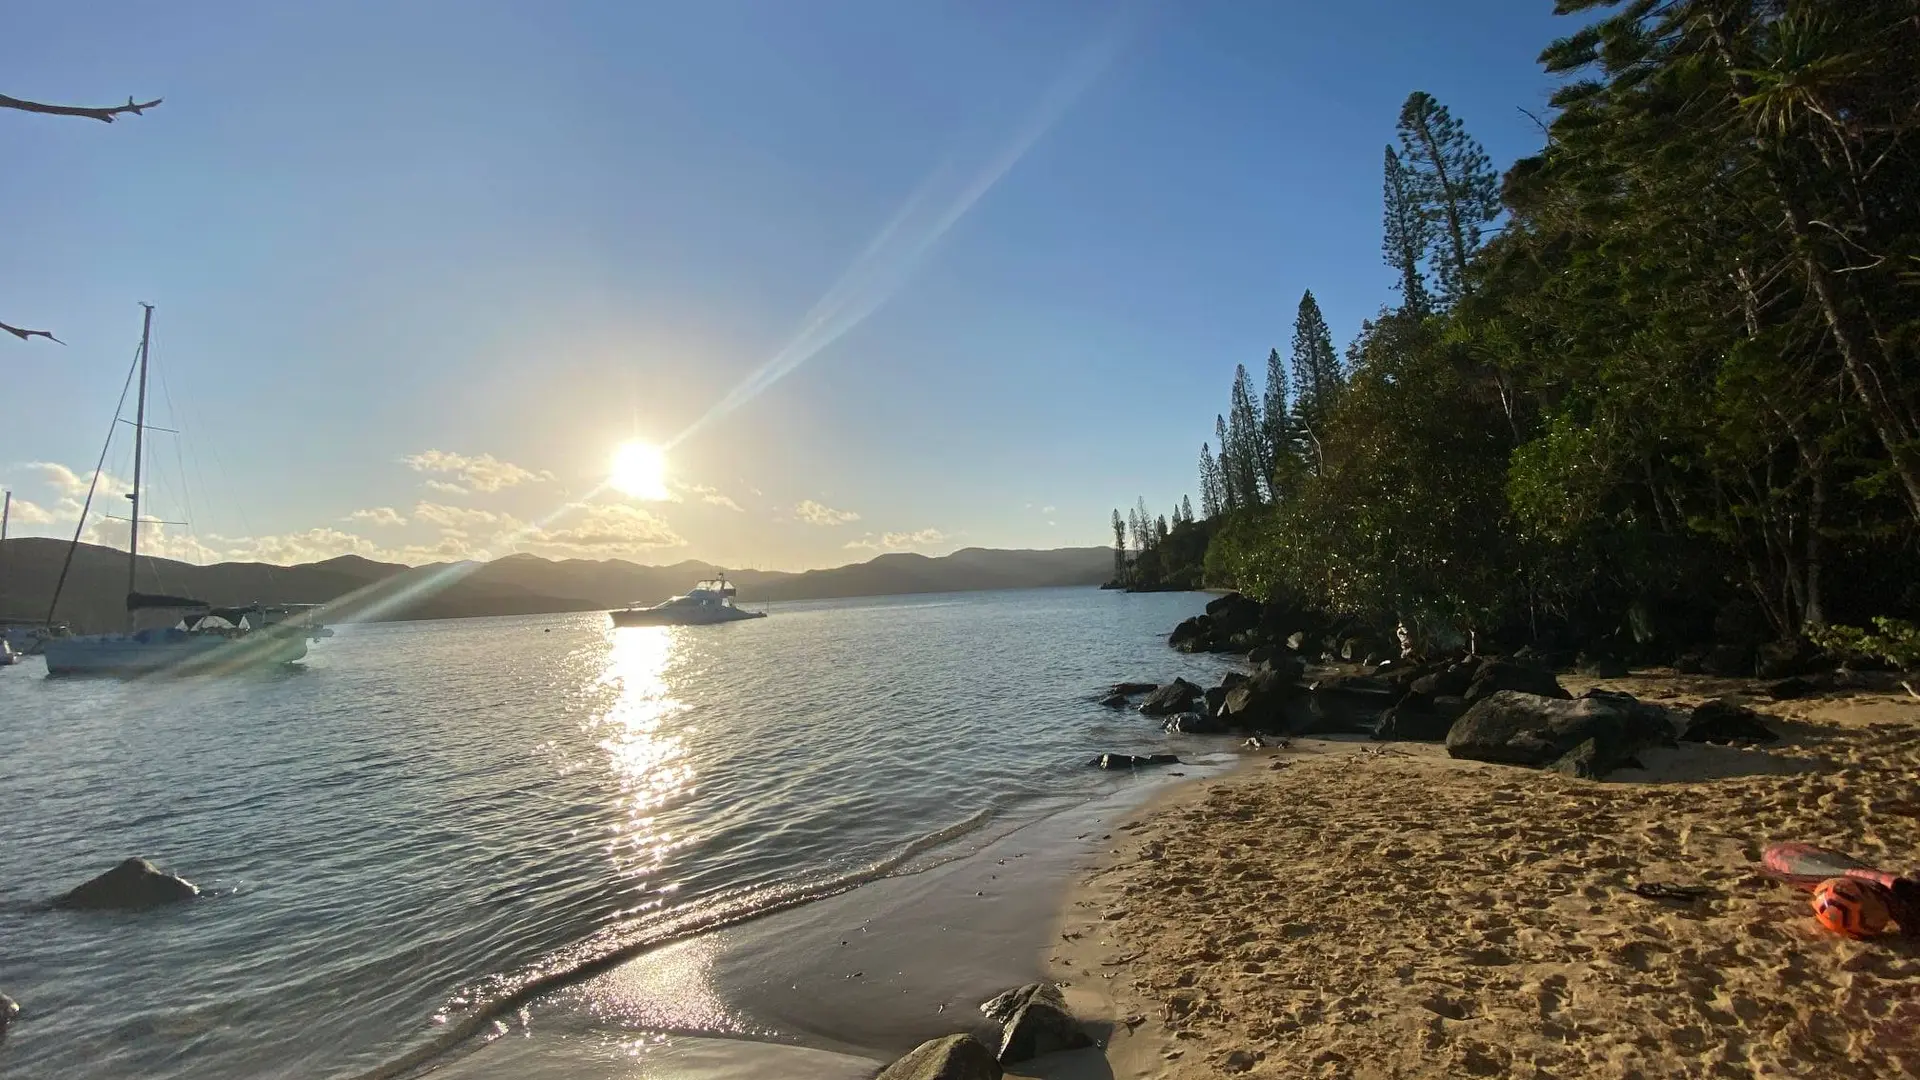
x,y
710,496
379,515
482,472
603,530
457,517
445,488
1046,509
30,513
815,514
70,490
899,541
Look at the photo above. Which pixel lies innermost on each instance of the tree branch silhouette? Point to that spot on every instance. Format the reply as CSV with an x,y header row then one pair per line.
x,y
105,114
25,334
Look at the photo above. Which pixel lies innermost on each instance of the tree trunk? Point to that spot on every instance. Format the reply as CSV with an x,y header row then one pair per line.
x,y
1864,369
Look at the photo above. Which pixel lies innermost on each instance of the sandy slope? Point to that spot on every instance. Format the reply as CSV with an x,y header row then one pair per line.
x,y
1350,909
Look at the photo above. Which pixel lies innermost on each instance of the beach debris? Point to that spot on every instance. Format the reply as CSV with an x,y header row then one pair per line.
x,y
1728,723
1666,890
1036,1022
1122,961
956,1057
1852,907
1133,761
134,885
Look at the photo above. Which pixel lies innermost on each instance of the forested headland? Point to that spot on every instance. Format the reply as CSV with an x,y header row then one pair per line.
x,y
1649,392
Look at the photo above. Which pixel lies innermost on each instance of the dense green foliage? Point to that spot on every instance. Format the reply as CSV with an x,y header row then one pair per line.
x,y
1681,373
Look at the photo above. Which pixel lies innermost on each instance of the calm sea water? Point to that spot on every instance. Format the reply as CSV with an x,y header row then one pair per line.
x,y
429,816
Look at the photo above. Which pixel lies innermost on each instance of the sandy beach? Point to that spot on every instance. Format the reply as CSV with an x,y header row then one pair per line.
x,y
1380,910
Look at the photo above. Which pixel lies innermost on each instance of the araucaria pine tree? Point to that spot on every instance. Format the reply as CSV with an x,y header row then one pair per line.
x,y
1407,233
1186,510
1453,183
1277,419
1246,442
1316,374
1119,548
1230,496
1210,498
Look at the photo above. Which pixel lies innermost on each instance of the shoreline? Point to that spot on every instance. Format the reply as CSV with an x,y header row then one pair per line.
x,y
837,987
1382,910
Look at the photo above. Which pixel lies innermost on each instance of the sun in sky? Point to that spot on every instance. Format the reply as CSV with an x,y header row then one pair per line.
x,y
639,470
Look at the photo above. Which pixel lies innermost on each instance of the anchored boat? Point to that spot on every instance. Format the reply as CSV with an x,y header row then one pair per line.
x,y
205,637
710,601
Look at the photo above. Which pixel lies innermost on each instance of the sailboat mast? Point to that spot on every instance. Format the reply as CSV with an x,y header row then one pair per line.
x,y
139,437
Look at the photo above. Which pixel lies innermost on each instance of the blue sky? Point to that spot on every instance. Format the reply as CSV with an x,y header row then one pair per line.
x,y
477,245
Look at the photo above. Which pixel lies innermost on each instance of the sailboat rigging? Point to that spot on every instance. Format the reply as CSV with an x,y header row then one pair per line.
x,y
206,637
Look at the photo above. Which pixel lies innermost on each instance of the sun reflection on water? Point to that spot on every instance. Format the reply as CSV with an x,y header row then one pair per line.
x,y
646,759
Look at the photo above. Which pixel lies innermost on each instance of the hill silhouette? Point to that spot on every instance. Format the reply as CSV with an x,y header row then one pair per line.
x,y
360,588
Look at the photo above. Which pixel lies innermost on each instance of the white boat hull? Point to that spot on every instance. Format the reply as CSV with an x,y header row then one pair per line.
x,y
121,654
691,616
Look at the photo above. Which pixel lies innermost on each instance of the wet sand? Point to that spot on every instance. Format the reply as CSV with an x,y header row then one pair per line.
x,y
836,988
1380,910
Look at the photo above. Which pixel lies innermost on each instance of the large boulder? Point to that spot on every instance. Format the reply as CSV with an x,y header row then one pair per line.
x,y
1256,702
1037,1022
1115,701
1494,676
1128,689
1727,723
956,1057
1512,728
1177,696
1447,679
1420,719
1234,614
1193,635
134,885
1345,705
1284,666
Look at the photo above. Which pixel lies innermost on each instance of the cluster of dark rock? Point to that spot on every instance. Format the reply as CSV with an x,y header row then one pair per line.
x,y
1034,1021
1740,644
1502,709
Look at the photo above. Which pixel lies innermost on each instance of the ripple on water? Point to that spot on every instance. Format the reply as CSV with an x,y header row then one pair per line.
x,y
434,814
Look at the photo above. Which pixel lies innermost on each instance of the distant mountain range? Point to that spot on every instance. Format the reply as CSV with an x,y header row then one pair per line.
x,y
95,594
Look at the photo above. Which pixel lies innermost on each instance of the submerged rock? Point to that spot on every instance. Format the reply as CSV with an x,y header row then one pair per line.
x,y
1722,721
956,1057
1037,1022
1513,728
1115,701
1128,689
134,885
1177,696
9,1009
1133,761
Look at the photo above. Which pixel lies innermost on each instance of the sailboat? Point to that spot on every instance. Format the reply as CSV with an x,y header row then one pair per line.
x,y
206,638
